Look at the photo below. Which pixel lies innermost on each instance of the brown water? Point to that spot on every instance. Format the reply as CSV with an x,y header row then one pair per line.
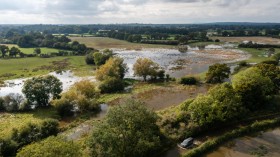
x,y
267,144
264,144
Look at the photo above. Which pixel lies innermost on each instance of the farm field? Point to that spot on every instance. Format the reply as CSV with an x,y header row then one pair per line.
x,y
44,50
103,43
265,40
28,67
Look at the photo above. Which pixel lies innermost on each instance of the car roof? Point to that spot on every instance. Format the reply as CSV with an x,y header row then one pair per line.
x,y
188,139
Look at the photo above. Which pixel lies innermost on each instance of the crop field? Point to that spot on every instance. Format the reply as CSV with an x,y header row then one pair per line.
x,y
265,40
28,67
44,50
103,43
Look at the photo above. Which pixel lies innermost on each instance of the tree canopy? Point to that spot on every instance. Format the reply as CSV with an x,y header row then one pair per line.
x,y
217,73
128,130
144,67
114,67
253,87
39,90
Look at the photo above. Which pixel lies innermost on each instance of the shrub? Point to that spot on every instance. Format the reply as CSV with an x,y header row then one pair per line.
x,y
63,106
27,134
2,104
89,59
188,81
111,85
273,62
8,147
50,147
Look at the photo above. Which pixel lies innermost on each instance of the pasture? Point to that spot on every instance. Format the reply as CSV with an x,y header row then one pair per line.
x,y
28,67
264,40
44,50
103,43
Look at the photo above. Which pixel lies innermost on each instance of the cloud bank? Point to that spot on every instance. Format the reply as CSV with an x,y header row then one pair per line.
x,y
137,11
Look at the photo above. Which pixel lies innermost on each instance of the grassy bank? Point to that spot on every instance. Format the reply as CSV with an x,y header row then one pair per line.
x,y
242,131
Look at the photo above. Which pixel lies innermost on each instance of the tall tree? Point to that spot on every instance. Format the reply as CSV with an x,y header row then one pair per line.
x,y
144,67
128,130
4,50
39,90
14,51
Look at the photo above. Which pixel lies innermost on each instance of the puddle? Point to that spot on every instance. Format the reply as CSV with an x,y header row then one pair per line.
x,y
85,128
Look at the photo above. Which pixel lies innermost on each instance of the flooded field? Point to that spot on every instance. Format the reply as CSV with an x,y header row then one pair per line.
x,y
177,64
15,86
264,144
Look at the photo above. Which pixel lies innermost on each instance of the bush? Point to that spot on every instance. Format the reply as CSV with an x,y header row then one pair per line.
x,y
2,104
27,134
89,59
50,147
8,147
188,81
273,62
63,106
242,63
111,85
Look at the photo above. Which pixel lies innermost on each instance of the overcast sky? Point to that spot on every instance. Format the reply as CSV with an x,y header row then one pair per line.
x,y
137,11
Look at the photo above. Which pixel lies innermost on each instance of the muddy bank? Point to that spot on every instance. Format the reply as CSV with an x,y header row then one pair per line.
x,y
167,96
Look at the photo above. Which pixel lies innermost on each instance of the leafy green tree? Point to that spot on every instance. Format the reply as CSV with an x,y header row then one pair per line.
x,y
128,130
217,73
14,51
144,67
100,58
253,87
82,95
37,51
220,105
271,71
89,58
4,50
114,67
50,147
39,90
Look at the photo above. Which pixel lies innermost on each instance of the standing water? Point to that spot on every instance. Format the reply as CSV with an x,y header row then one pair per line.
x,y
15,86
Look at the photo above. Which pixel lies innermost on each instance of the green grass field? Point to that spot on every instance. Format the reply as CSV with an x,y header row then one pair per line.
x,y
103,43
44,50
257,54
28,67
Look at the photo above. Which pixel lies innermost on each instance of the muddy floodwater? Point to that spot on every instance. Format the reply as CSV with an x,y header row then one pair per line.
x,y
265,144
178,64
